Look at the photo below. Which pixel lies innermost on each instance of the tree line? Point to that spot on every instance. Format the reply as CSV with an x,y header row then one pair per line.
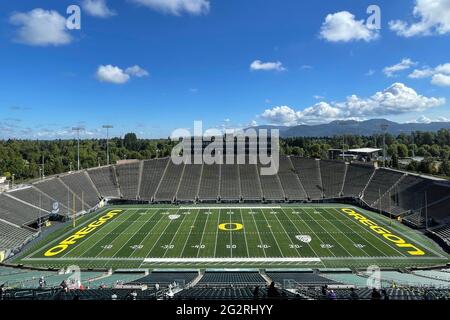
x,y
26,158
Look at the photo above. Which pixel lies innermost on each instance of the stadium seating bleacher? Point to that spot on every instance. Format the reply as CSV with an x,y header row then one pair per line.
x,y
105,181
81,185
128,178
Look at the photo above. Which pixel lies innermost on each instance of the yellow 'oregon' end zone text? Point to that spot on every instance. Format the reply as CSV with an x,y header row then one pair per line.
x,y
63,245
399,242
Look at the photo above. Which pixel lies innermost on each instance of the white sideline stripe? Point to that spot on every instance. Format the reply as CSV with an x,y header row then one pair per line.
x,y
216,208
228,260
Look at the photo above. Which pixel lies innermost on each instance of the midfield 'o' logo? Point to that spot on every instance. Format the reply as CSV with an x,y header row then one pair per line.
x,y
231,226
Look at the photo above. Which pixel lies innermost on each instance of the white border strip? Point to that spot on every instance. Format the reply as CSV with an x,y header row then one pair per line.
x,y
227,260
229,207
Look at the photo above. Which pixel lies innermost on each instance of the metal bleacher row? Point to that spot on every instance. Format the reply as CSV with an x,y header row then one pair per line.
x,y
161,181
211,285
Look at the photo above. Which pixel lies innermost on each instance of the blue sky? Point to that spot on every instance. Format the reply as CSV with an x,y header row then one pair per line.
x,y
229,63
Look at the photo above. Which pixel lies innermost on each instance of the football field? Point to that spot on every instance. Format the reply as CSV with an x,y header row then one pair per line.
x,y
234,237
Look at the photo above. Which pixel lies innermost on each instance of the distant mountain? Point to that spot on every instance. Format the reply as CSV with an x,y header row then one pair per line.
x,y
366,128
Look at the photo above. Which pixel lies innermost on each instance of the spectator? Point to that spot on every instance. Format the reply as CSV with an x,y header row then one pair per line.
x,y
353,294
325,290
2,291
114,297
256,292
157,286
272,291
63,286
376,294
332,295
42,283
385,294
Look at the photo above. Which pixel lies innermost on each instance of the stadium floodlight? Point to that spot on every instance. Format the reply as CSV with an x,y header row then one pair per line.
x,y
78,129
107,127
384,129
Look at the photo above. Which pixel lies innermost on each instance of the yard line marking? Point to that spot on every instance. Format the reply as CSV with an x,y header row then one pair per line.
x,y
100,239
164,231
203,235
231,239
259,235
287,235
378,238
309,244
143,225
404,232
334,227
301,219
149,232
190,232
176,232
361,237
245,235
278,245
326,232
66,234
118,235
217,233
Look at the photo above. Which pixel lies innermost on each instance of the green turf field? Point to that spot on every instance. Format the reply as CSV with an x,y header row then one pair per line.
x,y
234,237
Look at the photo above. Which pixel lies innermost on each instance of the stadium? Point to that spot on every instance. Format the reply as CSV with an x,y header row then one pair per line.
x,y
253,154
205,227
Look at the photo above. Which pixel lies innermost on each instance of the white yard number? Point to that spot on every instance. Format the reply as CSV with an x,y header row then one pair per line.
x,y
168,246
295,246
231,246
263,246
199,246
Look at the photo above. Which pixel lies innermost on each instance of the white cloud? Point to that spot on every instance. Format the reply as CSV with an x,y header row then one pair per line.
x,y
440,75
433,16
97,8
317,97
422,73
342,27
423,119
40,27
370,72
258,65
441,80
394,100
116,75
137,71
112,74
442,119
253,123
281,115
405,64
177,7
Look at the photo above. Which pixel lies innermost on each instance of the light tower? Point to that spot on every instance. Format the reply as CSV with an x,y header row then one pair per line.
x,y
384,129
78,129
107,127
